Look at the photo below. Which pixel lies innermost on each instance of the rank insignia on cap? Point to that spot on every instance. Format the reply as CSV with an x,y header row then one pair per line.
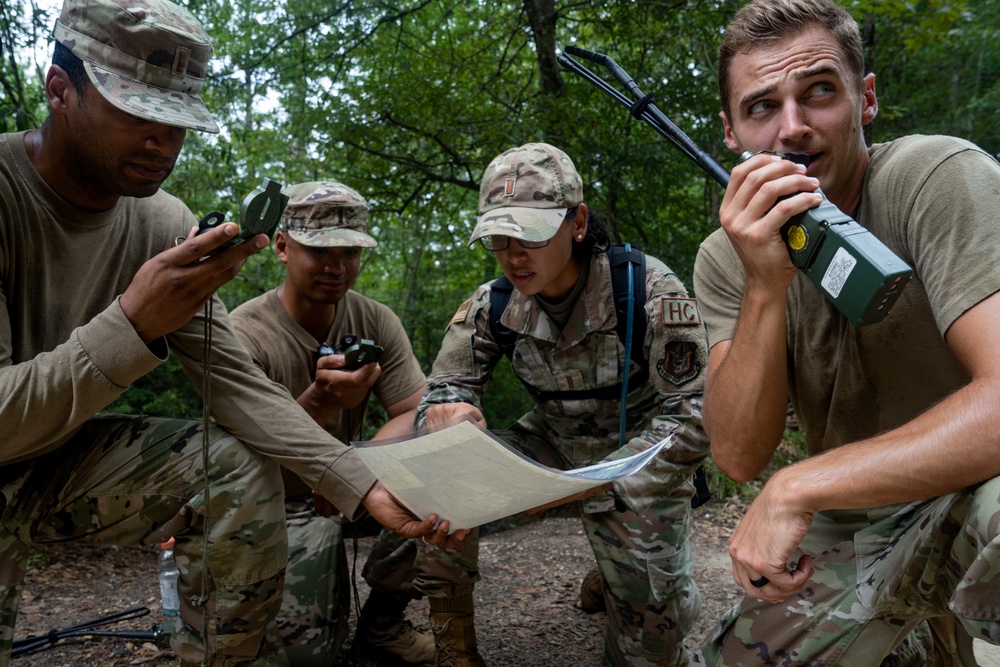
x,y
680,362
181,57
680,310
508,187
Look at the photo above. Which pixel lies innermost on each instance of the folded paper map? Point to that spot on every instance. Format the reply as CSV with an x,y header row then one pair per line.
x,y
470,477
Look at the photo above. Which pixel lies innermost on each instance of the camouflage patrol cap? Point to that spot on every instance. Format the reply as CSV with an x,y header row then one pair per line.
x,y
325,215
525,193
146,57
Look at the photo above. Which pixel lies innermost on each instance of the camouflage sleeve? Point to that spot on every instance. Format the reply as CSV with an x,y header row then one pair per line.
x,y
677,352
464,364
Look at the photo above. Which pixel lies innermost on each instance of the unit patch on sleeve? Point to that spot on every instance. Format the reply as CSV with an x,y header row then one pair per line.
x,y
680,310
679,363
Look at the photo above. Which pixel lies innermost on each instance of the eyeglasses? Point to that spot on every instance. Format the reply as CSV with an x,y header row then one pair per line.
x,y
498,243
502,242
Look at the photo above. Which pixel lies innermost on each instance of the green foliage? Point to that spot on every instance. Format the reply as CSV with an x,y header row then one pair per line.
x,y
408,101
937,66
37,559
22,98
375,416
723,487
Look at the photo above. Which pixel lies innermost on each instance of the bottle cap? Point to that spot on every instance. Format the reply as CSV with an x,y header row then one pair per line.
x,y
169,544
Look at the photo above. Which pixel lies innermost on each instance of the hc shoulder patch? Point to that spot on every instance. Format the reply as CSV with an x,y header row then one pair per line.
x,y
680,362
680,311
461,313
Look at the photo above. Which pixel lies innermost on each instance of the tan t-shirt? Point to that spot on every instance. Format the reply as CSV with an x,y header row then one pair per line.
x,y
933,200
67,350
286,352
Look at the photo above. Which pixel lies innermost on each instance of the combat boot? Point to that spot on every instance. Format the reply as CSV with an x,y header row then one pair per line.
x,y
383,631
592,592
455,638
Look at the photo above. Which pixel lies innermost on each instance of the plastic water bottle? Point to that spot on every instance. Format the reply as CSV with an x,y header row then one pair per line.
x,y
170,601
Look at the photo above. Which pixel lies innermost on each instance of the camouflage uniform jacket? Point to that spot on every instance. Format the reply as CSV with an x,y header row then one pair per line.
x,y
587,354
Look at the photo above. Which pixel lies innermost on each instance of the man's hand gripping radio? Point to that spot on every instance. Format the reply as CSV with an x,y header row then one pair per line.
x,y
853,269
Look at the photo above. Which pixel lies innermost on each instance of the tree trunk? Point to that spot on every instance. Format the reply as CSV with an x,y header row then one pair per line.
x,y
542,17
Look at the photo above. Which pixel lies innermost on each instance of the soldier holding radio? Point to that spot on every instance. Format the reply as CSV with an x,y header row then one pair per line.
x,y
893,517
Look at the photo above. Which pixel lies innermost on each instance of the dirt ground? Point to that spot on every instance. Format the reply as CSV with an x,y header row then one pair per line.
x,y
527,604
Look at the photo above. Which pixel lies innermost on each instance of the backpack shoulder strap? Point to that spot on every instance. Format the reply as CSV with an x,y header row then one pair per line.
x,y
500,292
619,258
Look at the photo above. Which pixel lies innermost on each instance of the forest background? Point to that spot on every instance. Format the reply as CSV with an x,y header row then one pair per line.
x,y
408,101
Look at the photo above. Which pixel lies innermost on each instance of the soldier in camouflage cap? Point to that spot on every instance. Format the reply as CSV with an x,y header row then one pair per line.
x,y
564,346
525,193
146,57
95,292
326,215
893,520
323,231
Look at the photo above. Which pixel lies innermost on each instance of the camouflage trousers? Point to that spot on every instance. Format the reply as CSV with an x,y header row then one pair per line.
x,y
316,604
135,480
879,574
645,562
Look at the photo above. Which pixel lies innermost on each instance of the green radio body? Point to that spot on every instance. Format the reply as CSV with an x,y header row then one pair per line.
x,y
848,264
852,268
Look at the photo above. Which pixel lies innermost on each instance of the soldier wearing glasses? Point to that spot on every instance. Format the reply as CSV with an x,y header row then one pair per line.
x,y
553,252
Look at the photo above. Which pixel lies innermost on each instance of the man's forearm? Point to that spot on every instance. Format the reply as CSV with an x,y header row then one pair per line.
x,y
69,384
316,408
950,447
400,425
746,396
